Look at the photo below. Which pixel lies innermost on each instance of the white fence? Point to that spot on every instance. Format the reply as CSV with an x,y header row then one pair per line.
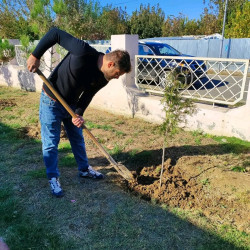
x,y
213,80
20,55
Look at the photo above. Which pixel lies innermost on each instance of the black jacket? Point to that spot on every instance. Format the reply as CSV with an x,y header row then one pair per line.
x,y
77,77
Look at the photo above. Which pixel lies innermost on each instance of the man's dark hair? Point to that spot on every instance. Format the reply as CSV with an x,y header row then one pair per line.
x,y
121,58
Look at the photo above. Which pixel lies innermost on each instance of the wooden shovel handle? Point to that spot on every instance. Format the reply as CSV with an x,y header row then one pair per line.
x,y
56,94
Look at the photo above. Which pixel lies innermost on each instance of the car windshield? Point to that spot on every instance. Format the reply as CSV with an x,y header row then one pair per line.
x,y
164,50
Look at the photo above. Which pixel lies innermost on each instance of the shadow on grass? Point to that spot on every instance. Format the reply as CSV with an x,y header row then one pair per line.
x,y
19,229
128,223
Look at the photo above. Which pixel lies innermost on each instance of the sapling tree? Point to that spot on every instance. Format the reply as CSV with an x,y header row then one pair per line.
x,y
7,51
175,109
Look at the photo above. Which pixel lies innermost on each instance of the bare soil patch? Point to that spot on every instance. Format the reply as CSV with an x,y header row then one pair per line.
x,y
6,103
34,132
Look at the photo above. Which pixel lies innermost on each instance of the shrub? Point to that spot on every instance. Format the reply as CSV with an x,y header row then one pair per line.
x,y
7,51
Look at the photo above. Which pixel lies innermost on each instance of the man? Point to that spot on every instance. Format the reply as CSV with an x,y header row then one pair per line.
x,y
77,78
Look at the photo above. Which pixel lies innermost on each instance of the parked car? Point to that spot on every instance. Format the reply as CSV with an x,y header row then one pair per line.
x,y
161,71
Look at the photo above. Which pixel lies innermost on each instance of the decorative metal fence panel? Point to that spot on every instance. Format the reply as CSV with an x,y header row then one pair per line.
x,y
214,80
20,55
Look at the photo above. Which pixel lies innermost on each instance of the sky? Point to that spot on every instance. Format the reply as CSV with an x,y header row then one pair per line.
x,y
190,8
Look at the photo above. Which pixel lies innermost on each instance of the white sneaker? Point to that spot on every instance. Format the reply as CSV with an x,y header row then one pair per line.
x,y
56,187
91,173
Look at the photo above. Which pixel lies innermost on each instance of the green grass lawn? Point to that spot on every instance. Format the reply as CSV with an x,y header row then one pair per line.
x,y
92,214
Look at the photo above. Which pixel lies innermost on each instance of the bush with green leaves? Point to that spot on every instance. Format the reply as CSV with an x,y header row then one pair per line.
x,y
7,51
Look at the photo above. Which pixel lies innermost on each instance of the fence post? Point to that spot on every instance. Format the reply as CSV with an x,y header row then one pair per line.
x,y
48,61
248,96
129,43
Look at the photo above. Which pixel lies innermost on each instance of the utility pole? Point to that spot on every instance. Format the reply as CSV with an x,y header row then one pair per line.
x,y
223,28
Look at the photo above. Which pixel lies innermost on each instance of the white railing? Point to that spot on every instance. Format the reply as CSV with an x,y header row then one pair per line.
x,y
214,80
20,55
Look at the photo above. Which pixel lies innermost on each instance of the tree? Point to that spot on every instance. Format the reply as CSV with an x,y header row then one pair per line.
x,y
21,17
35,17
192,27
216,9
13,19
40,18
147,22
175,109
7,22
7,51
174,26
84,23
209,23
113,21
238,22
180,26
90,29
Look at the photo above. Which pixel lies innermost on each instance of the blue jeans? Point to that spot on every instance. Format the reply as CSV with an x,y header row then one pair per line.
x,y
52,114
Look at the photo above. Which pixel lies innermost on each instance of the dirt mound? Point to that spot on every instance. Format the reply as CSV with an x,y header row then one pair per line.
x,y
176,189
31,132
186,186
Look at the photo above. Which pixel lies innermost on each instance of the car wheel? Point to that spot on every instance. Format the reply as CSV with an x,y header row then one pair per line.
x,y
166,78
185,76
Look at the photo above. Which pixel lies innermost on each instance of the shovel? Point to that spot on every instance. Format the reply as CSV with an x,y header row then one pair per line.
x,y
121,169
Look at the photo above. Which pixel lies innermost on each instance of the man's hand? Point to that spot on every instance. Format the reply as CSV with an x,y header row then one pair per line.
x,y
78,121
33,63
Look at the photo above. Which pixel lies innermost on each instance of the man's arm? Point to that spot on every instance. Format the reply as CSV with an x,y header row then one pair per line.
x,y
56,36
84,102
67,41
